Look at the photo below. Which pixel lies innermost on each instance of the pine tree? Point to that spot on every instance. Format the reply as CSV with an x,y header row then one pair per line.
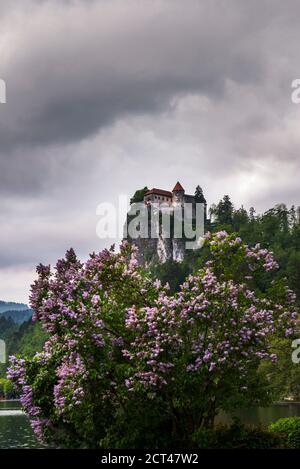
x,y
199,196
224,210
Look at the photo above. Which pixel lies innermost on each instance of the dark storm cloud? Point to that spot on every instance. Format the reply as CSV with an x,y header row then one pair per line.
x,y
65,80
106,96
78,67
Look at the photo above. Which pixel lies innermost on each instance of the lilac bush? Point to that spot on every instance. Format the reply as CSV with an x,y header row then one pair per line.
x,y
126,362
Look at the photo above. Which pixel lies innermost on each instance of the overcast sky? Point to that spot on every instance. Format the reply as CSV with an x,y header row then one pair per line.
x,y
107,96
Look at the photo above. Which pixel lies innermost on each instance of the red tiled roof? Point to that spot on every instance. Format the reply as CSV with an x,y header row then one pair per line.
x,y
178,187
159,192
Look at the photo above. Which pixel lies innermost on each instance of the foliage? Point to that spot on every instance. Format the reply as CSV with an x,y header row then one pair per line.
x,y
6,388
237,436
7,327
224,211
174,273
129,364
28,339
171,272
199,196
139,195
25,339
283,376
289,428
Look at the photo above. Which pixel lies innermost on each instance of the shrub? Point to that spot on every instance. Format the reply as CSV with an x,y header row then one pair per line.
x,y
128,364
289,428
6,388
237,436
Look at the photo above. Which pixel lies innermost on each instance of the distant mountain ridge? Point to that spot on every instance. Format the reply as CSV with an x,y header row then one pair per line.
x,y
18,316
11,306
17,312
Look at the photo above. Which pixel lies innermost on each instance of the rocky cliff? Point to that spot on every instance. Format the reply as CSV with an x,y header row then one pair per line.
x,y
158,248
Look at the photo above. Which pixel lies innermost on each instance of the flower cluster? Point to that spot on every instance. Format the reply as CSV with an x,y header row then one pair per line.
x,y
17,373
69,389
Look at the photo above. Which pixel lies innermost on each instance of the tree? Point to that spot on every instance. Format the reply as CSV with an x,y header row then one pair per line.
x,y
213,212
130,365
252,213
292,216
224,211
139,195
5,388
240,219
199,196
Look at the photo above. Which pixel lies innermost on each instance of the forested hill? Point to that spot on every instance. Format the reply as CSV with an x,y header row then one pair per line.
x,y
18,331
24,339
17,316
17,312
277,229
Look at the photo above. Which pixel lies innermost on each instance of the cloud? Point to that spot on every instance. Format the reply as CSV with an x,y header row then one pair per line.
x,y
73,68
105,97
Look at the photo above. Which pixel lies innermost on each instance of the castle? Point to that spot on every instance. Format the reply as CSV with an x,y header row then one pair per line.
x,y
161,248
176,197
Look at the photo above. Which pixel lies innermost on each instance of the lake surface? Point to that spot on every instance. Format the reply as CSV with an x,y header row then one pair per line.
x,y
15,430
263,415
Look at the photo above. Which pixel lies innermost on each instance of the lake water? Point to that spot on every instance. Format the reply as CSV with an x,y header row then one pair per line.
x,y
263,415
15,430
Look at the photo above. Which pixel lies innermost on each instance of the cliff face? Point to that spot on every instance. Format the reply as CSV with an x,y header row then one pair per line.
x,y
160,248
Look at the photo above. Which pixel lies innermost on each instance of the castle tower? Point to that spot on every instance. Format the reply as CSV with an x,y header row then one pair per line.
x,y
178,193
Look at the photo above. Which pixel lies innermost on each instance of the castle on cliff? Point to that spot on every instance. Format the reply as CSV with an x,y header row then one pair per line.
x,y
160,248
158,202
